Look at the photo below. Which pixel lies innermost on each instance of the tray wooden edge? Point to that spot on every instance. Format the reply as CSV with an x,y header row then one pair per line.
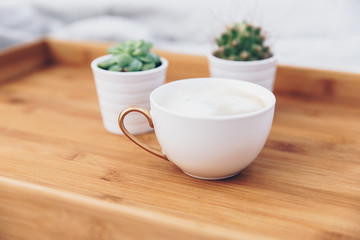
x,y
297,81
85,217
22,59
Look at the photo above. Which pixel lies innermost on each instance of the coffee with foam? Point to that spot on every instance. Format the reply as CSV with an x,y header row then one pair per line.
x,y
212,100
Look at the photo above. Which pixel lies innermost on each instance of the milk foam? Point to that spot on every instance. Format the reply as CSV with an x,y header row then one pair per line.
x,y
217,100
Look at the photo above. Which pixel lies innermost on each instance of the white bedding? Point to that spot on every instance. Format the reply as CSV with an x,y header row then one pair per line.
x,y
321,34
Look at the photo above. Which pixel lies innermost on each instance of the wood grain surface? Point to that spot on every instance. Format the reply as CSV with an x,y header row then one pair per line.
x,y
62,176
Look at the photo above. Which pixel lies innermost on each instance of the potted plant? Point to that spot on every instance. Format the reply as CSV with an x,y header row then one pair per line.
x,y
126,77
242,54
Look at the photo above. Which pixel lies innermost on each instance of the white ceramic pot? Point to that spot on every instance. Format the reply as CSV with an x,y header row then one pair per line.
x,y
118,90
261,72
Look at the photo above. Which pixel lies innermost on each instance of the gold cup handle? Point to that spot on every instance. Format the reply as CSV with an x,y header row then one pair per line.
x,y
146,113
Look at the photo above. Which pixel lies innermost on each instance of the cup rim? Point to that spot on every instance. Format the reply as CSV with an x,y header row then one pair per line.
x,y
215,118
96,61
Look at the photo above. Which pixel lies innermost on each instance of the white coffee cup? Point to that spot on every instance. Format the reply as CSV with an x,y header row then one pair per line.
x,y
204,144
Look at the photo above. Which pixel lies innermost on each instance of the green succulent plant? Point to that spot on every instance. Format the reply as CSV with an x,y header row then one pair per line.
x,y
242,42
131,56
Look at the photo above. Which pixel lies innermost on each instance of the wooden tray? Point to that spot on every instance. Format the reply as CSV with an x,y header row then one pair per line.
x,y
62,176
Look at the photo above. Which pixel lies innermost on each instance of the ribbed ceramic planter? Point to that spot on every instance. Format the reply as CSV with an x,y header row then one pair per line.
x,y
117,90
261,72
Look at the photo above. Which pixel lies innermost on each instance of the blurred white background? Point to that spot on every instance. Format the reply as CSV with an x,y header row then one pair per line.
x,y
320,34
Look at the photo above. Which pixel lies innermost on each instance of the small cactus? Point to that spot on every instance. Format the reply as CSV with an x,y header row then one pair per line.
x,y
131,56
242,42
